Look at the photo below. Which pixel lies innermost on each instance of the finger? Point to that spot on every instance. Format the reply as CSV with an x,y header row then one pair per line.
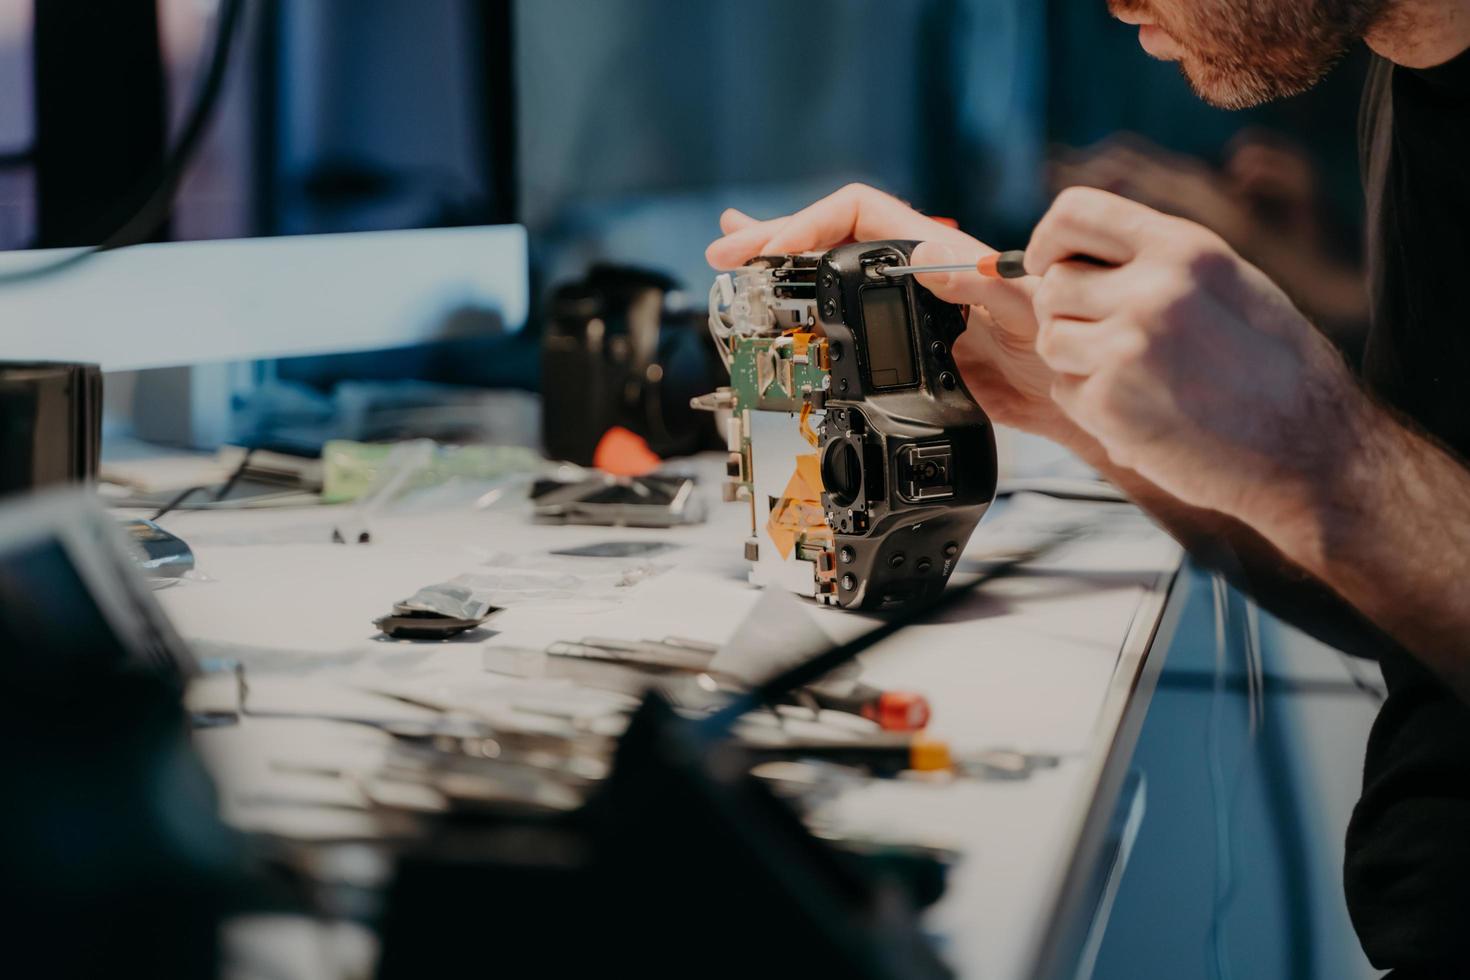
x,y
1079,291
855,213
1071,346
739,247
734,219
1087,222
1007,301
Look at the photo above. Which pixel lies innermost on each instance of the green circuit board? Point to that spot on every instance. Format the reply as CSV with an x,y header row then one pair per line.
x,y
775,374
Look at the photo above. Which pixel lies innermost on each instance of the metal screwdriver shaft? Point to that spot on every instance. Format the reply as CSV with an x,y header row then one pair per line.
x,y
998,265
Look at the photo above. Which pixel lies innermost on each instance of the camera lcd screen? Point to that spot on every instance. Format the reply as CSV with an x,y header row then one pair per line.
x,y
890,341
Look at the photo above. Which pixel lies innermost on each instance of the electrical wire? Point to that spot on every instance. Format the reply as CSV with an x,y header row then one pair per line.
x,y
719,330
1222,883
219,495
1223,797
156,209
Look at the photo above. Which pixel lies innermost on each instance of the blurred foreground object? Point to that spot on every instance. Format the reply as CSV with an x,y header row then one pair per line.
x,y
116,863
1265,201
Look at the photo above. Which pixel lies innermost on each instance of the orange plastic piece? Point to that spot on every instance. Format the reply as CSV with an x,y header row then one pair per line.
x,y
929,755
900,711
623,452
800,507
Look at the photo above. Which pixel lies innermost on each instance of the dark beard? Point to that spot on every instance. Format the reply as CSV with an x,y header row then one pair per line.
x,y
1241,53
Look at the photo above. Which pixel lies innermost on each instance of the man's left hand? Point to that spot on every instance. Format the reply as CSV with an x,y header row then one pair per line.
x,y
1186,363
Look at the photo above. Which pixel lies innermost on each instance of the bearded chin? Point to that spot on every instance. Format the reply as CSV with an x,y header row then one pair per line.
x,y
1234,85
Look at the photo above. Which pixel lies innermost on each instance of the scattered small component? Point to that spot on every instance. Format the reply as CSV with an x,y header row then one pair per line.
x,y
892,711
418,624
609,501
640,653
459,598
682,669
616,549
363,536
888,755
1005,764
437,612
878,756
160,554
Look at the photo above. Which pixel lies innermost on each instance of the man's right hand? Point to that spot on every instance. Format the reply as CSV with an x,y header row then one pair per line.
x,y
997,354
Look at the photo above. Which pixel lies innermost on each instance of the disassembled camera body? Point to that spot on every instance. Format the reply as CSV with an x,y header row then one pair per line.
x,y
866,461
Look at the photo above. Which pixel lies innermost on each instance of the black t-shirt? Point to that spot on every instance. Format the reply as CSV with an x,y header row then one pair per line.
x,y
1408,848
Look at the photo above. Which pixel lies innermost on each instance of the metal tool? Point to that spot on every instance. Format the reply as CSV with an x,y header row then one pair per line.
x,y
997,265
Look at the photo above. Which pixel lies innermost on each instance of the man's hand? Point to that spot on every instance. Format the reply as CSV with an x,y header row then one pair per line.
x,y
996,355
1187,364
1265,202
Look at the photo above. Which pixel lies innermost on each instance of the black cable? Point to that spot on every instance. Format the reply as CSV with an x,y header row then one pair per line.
x,y
173,504
229,484
157,208
771,690
220,494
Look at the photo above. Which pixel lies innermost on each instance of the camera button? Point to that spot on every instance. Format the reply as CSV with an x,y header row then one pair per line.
x,y
846,555
938,349
896,560
951,549
924,565
947,380
849,582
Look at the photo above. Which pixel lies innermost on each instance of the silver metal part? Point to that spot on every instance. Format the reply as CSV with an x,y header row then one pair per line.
x,y
893,271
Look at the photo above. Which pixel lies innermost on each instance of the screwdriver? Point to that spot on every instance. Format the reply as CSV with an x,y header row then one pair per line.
x,y
998,265
886,756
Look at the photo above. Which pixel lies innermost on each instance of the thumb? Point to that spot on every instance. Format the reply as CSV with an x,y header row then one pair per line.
x,y
1008,301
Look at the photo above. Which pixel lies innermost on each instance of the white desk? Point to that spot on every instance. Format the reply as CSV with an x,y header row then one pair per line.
x,y
1055,660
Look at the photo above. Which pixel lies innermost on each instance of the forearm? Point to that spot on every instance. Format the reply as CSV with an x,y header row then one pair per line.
x,y
1249,561
1381,549
1390,533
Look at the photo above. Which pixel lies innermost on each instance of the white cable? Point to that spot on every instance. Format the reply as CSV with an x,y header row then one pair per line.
x,y
1219,962
1258,666
717,328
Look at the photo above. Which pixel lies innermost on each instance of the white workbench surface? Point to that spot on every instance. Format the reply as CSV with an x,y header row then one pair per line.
x,y
1055,660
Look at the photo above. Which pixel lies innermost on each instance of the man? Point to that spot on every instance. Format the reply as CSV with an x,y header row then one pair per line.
x,y
1186,376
